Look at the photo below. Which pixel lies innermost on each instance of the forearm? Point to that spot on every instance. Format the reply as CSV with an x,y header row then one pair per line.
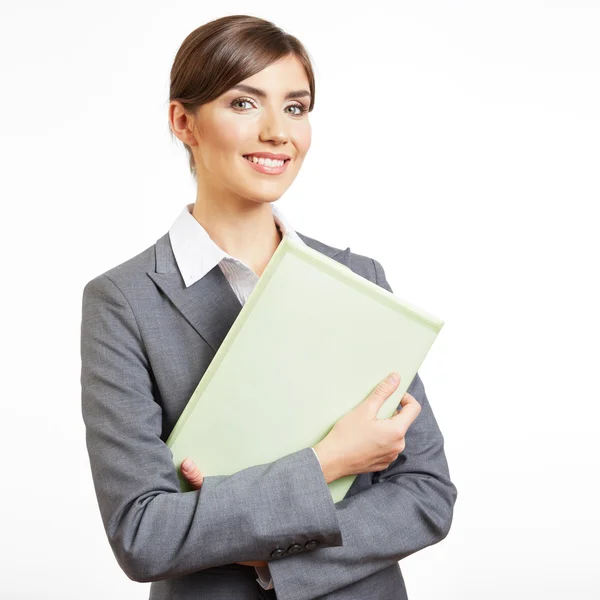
x,y
331,464
201,529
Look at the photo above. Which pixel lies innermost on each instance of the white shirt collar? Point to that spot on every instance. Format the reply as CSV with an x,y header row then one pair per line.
x,y
196,253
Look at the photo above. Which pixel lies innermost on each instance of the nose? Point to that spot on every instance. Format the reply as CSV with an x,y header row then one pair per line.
x,y
273,127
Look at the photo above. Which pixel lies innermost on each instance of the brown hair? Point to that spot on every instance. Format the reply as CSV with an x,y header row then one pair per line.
x,y
223,52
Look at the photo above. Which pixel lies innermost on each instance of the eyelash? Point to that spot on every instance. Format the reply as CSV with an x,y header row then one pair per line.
x,y
299,105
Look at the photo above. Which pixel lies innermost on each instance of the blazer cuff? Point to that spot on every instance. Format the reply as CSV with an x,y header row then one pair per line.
x,y
316,455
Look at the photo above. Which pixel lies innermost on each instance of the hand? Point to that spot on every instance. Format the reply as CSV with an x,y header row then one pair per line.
x,y
360,442
194,476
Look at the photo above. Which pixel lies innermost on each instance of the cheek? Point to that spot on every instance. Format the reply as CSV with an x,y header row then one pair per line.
x,y
227,134
231,136
303,140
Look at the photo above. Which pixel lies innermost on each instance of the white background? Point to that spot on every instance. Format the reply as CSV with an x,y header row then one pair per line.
x,y
455,142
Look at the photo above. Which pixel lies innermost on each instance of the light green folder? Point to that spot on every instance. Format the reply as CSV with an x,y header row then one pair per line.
x,y
311,342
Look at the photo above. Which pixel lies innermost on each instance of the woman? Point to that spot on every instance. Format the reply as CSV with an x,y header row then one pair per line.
x,y
241,88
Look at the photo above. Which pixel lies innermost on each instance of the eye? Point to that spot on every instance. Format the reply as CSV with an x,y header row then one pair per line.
x,y
240,100
301,107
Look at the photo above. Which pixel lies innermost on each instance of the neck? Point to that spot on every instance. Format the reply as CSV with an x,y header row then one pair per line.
x,y
246,231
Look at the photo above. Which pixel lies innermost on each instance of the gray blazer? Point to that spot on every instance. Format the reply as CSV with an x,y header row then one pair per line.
x,y
146,341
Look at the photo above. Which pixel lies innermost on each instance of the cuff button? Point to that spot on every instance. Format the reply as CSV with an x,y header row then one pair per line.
x,y
295,548
278,553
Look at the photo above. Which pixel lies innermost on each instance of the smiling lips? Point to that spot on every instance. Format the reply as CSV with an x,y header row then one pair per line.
x,y
270,164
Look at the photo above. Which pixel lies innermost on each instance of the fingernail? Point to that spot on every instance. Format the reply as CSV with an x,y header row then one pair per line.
x,y
394,377
186,465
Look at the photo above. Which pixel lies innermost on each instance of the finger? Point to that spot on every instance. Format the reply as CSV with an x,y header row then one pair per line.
x,y
406,399
396,412
408,412
192,473
380,394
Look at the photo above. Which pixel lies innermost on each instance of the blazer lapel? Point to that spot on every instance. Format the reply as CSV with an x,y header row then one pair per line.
x,y
210,304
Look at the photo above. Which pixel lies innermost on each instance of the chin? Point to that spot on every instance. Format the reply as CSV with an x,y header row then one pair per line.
x,y
263,193
264,198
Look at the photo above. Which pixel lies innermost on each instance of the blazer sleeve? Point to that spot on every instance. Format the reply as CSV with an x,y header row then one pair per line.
x,y
264,575
409,507
156,531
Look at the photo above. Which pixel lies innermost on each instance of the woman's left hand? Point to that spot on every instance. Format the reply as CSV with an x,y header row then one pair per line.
x,y
192,474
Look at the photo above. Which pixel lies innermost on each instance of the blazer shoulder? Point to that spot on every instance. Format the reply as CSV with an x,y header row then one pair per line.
x,y
130,272
364,263
319,245
359,263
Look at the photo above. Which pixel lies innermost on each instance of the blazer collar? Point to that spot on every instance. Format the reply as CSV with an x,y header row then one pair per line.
x,y
210,305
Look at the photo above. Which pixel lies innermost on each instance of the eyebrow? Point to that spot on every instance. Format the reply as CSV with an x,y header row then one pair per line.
x,y
262,94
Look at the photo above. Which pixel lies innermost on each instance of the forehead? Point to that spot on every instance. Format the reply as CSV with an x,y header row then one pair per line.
x,y
280,77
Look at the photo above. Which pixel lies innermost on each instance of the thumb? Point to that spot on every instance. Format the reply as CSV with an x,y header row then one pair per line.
x,y
381,393
192,473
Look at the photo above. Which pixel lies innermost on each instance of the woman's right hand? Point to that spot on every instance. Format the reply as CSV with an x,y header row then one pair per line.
x,y
360,442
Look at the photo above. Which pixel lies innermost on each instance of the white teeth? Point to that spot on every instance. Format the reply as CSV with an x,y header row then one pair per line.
x,y
266,161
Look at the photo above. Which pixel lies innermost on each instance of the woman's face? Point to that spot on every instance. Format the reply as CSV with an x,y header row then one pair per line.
x,y
244,121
